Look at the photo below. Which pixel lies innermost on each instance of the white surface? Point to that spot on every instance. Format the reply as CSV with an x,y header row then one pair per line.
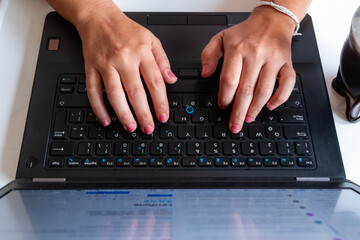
x,y
20,34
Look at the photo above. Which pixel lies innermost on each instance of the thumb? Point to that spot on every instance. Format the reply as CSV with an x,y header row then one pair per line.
x,y
162,61
211,55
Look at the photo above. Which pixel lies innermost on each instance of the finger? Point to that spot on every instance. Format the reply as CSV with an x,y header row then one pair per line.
x,y
229,78
287,79
244,94
95,95
264,89
130,77
162,62
211,55
117,98
155,84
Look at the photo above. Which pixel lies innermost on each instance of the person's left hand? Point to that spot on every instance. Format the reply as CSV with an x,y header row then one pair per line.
x,y
256,52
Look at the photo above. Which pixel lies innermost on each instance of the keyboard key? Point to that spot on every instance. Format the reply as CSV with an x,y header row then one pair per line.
x,y
156,162
271,162
90,162
139,148
82,79
287,162
303,148
77,132
85,148
174,101
114,131
231,148
189,161
267,148
198,116
268,116
91,117
175,148
305,162
67,79
254,162
131,135
207,101
70,100
81,89
181,116
249,148
295,132
188,73
256,132
185,132
202,132
96,132
121,149
294,101
273,132
153,135
157,148
66,89
172,162
189,100
139,162
285,148
291,116
212,148
239,135
194,148
60,130
107,162
74,162
216,116
205,162
76,116
238,162
56,162
167,132
221,162
62,149
103,148
123,162
220,131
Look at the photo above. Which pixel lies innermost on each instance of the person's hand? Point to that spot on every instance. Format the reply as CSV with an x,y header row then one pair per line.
x,y
256,52
117,52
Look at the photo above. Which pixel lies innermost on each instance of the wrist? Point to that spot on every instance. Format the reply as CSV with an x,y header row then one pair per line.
x,y
277,21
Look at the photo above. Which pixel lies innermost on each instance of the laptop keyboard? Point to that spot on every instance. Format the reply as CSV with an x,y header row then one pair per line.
x,y
196,135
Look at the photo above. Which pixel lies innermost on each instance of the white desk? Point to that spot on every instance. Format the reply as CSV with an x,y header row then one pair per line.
x,y
20,32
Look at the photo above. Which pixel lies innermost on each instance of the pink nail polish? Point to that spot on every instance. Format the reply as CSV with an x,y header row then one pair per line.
x,y
205,69
222,107
163,118
235,128
270,107
249,119
171,74
148,129
105,123
131,128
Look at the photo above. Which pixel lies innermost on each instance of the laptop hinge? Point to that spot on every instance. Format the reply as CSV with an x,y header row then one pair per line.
x,y
49,179
313,179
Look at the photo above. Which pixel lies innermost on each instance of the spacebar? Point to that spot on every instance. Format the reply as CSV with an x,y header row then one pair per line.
x,y
188,85
73,101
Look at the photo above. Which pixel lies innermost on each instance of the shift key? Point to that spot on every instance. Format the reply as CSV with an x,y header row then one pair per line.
x,y
62,149
80,100
291,116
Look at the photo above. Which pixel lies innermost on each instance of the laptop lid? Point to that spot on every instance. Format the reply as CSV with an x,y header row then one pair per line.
x,y
34,156
217,210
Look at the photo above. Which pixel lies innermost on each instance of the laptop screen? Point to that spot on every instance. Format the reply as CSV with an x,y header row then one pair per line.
x,y
181,214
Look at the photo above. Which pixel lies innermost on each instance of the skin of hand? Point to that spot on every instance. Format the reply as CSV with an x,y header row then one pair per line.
x,y
117,52
255,52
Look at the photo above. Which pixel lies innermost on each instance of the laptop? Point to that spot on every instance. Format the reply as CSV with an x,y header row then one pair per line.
x,y
281,177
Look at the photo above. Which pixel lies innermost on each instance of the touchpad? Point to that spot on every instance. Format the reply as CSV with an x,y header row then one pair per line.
x,y
184,42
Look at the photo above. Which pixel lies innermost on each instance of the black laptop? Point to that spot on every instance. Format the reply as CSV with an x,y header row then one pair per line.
x,y
281,177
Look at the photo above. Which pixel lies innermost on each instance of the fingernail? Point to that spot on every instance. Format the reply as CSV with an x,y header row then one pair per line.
x,y
171,74
235,128
270,107
205,69
222,107
148,129
163,118
105,123
249,119
131,128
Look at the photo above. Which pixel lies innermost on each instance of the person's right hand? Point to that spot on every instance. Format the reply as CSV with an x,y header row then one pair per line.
x,y
117,51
